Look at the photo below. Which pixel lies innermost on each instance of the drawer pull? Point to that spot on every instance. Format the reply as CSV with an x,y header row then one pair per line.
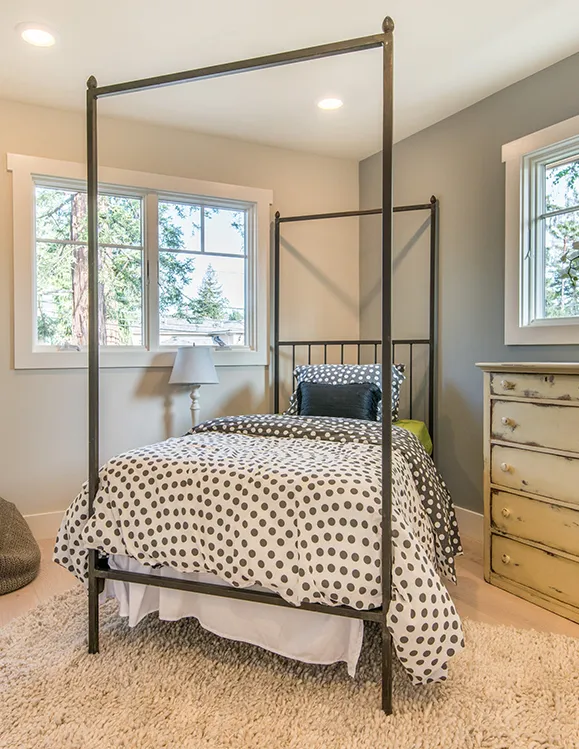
x,y
505,559
508,422
506,468
505,512
508,385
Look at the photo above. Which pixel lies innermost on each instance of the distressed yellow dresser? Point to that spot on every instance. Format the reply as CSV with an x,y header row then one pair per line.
x,y
531,482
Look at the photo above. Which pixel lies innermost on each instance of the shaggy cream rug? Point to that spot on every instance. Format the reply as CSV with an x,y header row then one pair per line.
x,y
174,685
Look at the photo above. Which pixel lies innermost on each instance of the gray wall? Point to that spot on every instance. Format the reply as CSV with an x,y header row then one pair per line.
x,y
459,160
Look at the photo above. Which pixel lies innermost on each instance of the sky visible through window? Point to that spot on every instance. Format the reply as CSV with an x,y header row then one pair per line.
x,y
220,237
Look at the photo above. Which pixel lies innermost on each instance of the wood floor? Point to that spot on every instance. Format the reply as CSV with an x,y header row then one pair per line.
x,y
473,597
52,580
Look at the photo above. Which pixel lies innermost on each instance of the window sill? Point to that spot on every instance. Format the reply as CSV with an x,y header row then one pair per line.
x,y
551,333
126,359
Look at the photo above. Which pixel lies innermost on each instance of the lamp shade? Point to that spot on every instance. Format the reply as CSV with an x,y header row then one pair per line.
x,y
193,366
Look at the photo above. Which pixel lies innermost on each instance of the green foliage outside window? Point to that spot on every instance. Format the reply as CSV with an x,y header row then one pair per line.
x,y
561,233
62,276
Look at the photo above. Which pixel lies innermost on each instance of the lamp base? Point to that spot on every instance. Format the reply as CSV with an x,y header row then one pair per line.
x,y
195,406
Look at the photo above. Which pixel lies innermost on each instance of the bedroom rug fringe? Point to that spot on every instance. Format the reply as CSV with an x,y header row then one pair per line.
x,y
174,685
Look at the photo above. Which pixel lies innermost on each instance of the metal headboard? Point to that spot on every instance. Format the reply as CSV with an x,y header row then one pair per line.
x,y
366,351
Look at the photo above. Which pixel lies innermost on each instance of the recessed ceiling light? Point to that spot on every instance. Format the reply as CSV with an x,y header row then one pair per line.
x,y
36,34
330,103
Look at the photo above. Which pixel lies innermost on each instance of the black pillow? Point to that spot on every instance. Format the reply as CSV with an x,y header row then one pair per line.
x,y
353,401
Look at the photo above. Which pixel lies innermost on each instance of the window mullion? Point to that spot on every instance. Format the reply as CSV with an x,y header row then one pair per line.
x,y
560,212
540,270
538,243
527,248
151,295
250,278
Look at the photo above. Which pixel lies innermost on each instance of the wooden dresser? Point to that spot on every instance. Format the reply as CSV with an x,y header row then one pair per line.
x,y
531,482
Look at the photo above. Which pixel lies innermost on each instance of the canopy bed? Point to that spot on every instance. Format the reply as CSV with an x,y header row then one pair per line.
x,y
294,511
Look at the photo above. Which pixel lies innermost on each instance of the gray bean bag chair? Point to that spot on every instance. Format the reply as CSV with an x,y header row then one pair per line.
x,y
19,552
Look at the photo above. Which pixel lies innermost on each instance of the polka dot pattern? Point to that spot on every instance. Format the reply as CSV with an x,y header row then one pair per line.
x,y
292,504
348,374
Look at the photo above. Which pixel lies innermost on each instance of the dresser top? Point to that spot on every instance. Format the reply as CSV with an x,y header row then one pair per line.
x,y
540,367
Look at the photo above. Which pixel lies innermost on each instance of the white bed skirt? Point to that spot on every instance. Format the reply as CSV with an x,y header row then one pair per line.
x,y
301,635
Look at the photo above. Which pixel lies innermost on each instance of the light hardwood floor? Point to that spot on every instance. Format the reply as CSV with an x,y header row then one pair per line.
x,y
473,597
52,580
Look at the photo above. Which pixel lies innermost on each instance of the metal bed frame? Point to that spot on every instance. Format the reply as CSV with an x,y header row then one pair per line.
x,y
98,569
430,343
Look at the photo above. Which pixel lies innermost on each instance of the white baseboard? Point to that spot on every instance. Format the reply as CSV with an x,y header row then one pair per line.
x,y
44,524
470,524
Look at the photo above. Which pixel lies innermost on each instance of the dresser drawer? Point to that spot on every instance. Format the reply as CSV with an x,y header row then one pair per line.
x,y
546,386
552,575
537,473
543,425
534,520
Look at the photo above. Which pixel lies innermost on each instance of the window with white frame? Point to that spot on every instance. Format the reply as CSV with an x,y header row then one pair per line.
x,y
542,237
180,263
202,269
61,269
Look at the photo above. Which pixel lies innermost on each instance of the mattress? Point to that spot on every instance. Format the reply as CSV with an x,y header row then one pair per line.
x,y
291,504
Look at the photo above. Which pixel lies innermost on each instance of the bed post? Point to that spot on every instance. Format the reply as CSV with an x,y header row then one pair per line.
x,y
433,321
276,277
93,351
387,213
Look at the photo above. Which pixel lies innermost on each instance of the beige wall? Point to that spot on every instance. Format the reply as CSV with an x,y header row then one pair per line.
x,y
43,420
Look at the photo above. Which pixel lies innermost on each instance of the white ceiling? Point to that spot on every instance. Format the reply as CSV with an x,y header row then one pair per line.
x,y
448,55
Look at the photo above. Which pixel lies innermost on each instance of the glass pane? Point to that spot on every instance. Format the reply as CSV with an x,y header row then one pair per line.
x,y
562,186
122,274
62,295
54,318
201,299
179,226
59,213
561,265
224,231
120,220
62,214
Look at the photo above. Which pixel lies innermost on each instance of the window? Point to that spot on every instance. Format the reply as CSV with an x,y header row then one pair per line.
x,y
557,245
542,237
62,271
551,229
202,268
180,262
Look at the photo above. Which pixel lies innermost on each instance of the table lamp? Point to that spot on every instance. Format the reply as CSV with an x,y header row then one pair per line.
x,y
194,366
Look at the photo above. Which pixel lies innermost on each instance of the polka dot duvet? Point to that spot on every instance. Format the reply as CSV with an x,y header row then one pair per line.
x,y
291,504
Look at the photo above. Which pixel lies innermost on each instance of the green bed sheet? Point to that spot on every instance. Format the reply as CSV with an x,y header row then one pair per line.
x,y
419,429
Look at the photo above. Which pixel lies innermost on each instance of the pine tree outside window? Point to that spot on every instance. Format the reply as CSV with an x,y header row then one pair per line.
x,y
204,246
